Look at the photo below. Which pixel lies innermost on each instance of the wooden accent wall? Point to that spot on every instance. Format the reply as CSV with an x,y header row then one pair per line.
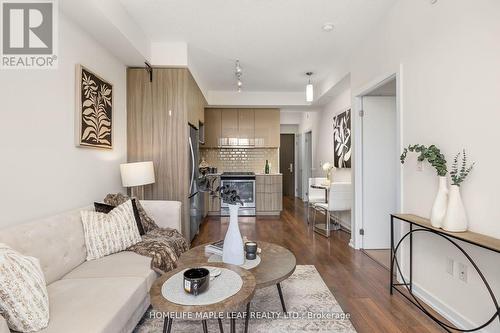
x,y
157,129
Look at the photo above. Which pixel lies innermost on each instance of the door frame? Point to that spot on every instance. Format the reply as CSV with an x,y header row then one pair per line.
x,y
298,165
358,94
294,162
307,150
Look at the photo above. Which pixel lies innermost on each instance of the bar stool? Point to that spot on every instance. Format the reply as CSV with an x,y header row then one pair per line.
x,y
339,199
315,195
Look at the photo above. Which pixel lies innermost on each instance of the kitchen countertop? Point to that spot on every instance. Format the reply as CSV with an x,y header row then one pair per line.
x,y
268,174
257,174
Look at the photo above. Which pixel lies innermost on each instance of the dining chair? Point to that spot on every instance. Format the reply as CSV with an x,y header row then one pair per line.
x,y
339,199
315,195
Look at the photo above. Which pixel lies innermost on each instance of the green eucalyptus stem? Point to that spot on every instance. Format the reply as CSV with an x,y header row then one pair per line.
x,y
431,154
458,174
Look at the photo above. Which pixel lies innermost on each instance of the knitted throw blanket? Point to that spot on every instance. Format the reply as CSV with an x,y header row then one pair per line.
x,y
163,245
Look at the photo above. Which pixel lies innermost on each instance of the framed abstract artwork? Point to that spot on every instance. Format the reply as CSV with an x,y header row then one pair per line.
x,y
94,110
342,139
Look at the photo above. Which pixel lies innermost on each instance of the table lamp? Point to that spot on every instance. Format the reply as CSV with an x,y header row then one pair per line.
x,y
136,175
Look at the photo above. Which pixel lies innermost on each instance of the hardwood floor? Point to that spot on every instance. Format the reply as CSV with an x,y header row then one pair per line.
x,y
382,256
358,282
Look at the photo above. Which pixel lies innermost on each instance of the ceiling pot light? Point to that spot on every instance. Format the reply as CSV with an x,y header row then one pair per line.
x,y
240,83
309,89
328,27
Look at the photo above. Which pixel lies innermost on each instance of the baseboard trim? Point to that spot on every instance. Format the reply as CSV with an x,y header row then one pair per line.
x,y
445,310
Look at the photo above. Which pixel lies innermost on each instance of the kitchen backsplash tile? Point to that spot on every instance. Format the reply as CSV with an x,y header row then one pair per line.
x,y
241,159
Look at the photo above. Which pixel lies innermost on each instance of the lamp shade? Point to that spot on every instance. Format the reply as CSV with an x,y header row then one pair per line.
x,y
137,174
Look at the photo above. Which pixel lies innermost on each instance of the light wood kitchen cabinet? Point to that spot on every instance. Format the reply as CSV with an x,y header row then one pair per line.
x,y
229,127
269,197
212,128
267,127
246,127
242,128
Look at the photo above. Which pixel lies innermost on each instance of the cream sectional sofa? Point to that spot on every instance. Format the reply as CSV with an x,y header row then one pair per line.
x,y
106,295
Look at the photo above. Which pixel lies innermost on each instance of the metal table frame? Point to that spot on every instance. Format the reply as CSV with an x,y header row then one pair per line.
x,y
420,228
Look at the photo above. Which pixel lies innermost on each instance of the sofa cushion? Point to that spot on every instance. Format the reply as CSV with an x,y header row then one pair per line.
x,y
122,264
3,326
117,199
23,294
93,305
105,208
106,234
57,241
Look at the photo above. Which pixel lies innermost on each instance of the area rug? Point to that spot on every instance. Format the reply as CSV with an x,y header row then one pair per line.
x,y
310,304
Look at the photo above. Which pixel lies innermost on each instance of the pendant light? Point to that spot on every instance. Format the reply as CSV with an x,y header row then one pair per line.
x,y
309,88
238,72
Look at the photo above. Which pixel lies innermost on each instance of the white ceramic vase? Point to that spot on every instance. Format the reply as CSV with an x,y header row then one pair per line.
x,y
456,219
438,212
233,252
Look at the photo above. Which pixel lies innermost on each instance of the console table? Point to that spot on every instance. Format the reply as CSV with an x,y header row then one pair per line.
x,y
420,225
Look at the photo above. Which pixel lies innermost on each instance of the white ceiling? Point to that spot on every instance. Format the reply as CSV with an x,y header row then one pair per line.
x,y
277,41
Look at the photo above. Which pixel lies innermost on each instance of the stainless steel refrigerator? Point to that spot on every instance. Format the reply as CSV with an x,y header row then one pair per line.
x,y
196,201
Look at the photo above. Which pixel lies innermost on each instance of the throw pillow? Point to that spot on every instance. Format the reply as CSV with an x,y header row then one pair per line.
x,y
105,208
24,301
109,233
117,199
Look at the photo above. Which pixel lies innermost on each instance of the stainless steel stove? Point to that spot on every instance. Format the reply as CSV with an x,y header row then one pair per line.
x,y
244,182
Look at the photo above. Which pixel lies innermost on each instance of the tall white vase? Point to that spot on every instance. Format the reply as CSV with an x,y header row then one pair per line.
x,y
456,219
233,252
438,212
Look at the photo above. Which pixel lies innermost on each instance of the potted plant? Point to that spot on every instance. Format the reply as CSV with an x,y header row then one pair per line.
x,y
232,251
433,155
456,218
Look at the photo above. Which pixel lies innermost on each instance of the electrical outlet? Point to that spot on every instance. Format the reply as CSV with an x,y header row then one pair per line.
x,y
420,166
462,272
449,266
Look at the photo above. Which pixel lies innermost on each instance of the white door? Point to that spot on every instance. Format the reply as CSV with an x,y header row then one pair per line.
x,y
380,162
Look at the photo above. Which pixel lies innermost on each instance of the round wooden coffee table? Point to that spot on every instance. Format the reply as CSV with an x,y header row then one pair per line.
x,y
231,303
277,264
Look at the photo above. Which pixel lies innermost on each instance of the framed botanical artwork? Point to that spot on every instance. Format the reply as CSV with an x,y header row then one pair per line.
x,y
94,110
342,139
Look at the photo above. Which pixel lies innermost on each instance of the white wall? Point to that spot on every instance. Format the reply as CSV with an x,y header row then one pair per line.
x,y
324,146
450,57
320,123
290,117
42,172
323,149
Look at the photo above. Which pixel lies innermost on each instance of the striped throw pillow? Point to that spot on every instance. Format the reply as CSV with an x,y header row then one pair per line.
x,y
109,233
24,301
